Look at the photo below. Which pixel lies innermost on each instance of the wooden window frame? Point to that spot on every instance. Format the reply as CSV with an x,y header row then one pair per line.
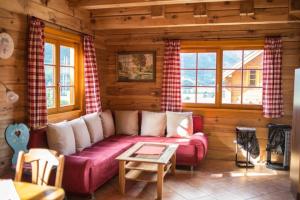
x,y
62,38
219,47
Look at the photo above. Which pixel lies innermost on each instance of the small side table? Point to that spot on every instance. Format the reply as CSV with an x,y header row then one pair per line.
x,y
245,134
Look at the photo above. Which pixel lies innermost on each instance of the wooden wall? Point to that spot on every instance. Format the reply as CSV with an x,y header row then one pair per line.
x,y
219,124
13,18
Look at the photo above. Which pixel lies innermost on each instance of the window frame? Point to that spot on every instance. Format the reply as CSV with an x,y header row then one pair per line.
x,y
62,38
219,47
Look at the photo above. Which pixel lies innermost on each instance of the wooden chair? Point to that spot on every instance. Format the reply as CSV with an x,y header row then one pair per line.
x,y
42,162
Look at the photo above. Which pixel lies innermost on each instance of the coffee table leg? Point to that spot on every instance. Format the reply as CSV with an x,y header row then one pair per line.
x,y
160,180
122,176
173,161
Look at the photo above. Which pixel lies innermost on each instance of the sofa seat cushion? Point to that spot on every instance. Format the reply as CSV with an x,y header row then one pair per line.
x,y
186,152
103,160
103,151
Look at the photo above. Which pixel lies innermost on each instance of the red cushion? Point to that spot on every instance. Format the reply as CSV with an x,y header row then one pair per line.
x,y
198,124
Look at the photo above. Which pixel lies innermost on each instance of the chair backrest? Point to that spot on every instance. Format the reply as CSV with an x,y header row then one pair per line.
x,y
42,162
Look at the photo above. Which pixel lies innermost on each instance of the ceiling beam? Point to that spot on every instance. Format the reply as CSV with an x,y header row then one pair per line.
x,y
200,10
247,8
265,16
157,12
102,4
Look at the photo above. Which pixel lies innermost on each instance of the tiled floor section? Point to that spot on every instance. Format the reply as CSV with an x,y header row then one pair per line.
x,y
212,180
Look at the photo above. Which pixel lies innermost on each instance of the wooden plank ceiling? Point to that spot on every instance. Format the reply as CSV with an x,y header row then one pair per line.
x,y
146,14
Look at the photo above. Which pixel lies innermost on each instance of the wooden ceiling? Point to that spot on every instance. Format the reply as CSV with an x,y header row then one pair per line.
x,y
149,14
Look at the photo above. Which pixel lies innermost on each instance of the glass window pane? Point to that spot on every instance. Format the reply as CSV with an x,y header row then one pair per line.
x,y
67,96
188,94
252,78
66,76
253,59
231,95
232,59
206,95
67,56
232,77
252,96
49,53
50,93
188,77
188,60
207,60
49,75
206,78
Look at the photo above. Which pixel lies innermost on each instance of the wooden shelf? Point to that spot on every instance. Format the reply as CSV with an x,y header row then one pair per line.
x,y
149,167
144,173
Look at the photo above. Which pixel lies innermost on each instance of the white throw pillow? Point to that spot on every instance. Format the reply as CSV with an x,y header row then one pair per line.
x,y
94,125
107,123
61,138
127,122
179,124
81,133
153,124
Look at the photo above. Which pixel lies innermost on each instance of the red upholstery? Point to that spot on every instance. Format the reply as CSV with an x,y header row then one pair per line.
x,y
38,139
87,170
198,124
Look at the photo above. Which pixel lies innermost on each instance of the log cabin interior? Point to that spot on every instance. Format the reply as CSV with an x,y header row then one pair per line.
x,y
150,99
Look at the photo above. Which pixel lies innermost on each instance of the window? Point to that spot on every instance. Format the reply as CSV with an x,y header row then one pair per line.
x,y
198,77
252,78
61,71
222,76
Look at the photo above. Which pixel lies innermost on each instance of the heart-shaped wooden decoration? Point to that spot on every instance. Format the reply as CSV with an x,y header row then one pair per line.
x,y
17,137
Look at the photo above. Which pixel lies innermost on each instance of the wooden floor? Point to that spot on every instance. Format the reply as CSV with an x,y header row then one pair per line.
x,y
212,180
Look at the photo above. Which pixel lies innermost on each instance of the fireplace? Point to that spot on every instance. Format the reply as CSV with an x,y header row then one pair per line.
x,y
279,139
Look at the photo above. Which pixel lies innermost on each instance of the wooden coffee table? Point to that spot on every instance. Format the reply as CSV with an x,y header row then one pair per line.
x,y
147,167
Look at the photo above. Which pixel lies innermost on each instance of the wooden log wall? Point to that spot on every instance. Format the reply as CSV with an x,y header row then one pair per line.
x,y
13,19
219,124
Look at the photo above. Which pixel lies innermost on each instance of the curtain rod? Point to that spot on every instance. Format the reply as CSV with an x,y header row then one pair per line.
x,y
159,39
63,28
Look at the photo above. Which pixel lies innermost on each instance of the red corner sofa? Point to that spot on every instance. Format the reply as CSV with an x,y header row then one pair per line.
x,y
87,170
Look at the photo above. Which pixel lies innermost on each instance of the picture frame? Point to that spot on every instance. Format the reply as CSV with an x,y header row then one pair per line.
x,y
136,66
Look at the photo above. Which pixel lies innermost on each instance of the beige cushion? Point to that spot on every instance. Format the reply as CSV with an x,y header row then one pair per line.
x,y
60,138
127,122
81,133
153,123
179,124
94,125
107,123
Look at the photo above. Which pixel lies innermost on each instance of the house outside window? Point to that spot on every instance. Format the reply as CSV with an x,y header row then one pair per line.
x,y
222,76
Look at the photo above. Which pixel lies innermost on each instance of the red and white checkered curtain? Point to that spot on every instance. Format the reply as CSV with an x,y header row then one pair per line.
x,y
171,88
272,91
37,103
92,89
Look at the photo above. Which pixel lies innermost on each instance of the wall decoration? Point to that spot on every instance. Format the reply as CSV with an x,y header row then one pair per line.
x,y
6,45
17,137
136,66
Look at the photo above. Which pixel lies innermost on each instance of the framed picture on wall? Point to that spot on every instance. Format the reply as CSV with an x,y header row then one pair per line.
x,y
136,66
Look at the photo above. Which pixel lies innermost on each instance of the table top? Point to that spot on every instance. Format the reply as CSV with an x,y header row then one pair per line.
x,y
36,192
129,155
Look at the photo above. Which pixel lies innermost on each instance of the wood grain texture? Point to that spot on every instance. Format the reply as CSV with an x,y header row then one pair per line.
x,y
217,14
219,124
13,19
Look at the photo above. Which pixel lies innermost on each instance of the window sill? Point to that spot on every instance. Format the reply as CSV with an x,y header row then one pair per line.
x,y
240,110
58,117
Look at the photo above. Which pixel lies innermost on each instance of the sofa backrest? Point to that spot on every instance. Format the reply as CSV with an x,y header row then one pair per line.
x,y
38,138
